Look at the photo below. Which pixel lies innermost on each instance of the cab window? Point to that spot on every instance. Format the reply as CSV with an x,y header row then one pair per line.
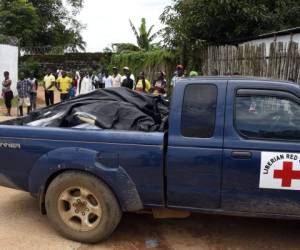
x,y
267,117
199,111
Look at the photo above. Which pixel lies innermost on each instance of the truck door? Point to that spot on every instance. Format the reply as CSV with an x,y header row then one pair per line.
x,y
194,157
261,172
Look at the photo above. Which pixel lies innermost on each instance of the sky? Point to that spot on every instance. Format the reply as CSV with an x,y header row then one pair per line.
x,y
107,21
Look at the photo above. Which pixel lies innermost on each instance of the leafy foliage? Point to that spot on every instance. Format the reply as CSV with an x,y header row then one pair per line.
x,y
219,21
43,22
150,62
145,40
8,40
144,36
192,24
69,62
30,66
124,47
18,18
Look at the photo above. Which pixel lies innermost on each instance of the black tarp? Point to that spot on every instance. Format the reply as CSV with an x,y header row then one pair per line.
x,y
114,108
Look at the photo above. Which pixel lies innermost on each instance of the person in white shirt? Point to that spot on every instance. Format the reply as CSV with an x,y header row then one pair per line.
x,y
126,71
95,80
107,79
116,78
85,85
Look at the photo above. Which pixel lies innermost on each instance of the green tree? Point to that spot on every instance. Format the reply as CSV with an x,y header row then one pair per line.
x,y
58,24
220,21
19,18
43,22
144,36
192,23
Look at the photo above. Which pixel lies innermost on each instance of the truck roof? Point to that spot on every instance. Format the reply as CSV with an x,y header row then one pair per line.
x,y
241,78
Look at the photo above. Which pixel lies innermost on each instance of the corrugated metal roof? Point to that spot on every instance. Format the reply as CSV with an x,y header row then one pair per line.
x,y
295,30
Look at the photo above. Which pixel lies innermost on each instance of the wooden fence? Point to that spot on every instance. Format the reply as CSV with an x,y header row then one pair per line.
x,y
281,61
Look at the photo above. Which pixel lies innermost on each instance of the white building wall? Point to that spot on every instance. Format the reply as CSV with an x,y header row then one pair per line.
x,y
269,40
9,56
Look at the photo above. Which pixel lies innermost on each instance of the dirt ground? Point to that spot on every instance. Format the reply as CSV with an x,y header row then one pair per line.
x,y
40,104
23,227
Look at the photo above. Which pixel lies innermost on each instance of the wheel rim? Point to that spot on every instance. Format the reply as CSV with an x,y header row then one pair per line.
x,y
79,209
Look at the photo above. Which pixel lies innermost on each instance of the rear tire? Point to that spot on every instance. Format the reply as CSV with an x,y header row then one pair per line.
x,y
81,207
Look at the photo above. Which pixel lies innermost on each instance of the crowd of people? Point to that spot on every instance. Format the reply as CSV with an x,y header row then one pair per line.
x,y
84,82
79,83
27,93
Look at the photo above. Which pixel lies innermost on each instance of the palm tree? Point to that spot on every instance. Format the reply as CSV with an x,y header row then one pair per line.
x,y
143,36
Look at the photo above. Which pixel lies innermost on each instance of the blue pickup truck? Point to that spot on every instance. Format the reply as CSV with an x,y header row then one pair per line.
x,y
232,147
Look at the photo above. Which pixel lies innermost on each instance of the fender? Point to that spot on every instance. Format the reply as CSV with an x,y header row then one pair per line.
x,y
104,165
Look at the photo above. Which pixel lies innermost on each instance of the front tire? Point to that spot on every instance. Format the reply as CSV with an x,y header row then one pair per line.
x,y
81,207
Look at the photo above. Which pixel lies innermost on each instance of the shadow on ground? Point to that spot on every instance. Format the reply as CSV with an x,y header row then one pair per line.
x,y
22,226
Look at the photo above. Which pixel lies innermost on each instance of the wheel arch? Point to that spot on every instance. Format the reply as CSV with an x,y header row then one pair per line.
x,y
104,166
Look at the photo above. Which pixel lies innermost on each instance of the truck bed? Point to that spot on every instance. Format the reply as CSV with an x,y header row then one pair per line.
x,y
112,109
30,154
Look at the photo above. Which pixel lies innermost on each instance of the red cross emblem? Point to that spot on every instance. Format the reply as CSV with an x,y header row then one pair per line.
x,y
287,174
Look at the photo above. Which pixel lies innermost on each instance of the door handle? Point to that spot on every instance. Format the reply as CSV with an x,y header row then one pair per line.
x,y
241,154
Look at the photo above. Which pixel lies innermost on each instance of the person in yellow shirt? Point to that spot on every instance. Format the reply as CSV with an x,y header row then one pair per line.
x,y
143,85
49,86
64,84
